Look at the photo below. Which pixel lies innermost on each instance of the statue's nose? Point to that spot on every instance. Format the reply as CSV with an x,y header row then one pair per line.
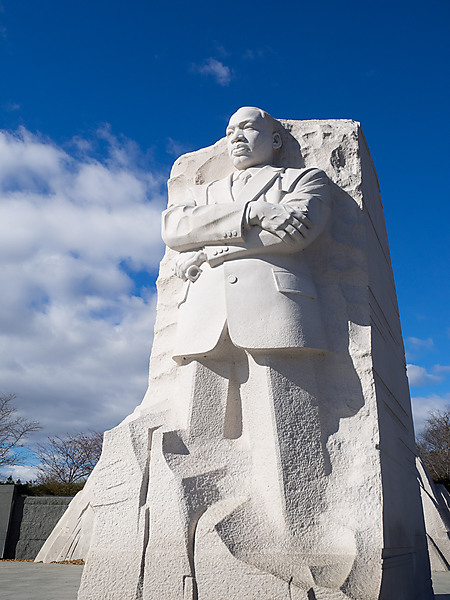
x,y
237,135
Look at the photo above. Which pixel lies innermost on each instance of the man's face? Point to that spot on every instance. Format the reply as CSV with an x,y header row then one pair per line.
x,y
250,139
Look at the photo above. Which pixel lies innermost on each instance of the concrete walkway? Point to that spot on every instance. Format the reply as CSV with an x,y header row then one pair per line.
x,y
36,581
441,585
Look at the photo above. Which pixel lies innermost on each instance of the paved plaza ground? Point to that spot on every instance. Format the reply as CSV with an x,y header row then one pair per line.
x,y
441,585
36,581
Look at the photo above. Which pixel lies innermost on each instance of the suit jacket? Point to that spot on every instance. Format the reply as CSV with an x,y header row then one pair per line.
x,y
253,281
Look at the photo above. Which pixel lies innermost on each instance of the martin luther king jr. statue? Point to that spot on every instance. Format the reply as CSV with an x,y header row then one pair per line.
x,y
246,233
249,317
273,455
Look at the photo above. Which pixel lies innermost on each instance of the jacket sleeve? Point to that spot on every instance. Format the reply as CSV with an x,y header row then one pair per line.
x,y
196,224
308,191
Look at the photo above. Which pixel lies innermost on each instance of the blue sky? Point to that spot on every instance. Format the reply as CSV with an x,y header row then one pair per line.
x,y
98,98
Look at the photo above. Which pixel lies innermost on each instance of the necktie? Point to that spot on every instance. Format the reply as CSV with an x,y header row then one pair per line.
x,y
239,182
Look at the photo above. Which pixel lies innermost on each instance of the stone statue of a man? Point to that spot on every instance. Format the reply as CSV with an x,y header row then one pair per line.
x,y
247,232
276,459
249,317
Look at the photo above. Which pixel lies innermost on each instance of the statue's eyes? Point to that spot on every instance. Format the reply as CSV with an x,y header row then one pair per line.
x,y
229,132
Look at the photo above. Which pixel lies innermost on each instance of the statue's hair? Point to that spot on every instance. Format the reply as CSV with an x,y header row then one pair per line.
x,y
277,127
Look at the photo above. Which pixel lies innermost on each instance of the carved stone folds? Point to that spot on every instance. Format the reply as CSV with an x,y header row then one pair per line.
x,y
275,459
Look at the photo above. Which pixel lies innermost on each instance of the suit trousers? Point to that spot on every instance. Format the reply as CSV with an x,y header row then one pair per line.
x,y
250,464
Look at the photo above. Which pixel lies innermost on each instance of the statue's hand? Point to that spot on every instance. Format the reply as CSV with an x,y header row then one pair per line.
x,y
289,224
188,259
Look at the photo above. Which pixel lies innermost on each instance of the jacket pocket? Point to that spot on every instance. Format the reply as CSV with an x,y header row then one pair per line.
x,y
292,283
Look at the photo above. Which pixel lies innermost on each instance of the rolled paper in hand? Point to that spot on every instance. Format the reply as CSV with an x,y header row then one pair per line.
x,y
193,273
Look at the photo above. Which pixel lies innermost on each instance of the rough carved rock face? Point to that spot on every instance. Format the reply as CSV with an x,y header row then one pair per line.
x,y
251,471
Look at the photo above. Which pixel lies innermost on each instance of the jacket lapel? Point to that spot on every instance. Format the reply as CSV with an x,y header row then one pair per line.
x,y
258,184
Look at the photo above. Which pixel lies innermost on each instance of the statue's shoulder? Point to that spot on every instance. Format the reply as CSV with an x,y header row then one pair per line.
x,y
292,177
199,192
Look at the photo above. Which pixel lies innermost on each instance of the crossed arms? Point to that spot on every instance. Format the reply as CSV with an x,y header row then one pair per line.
x,y
219,232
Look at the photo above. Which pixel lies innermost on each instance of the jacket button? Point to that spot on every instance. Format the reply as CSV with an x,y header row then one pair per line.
x,y
225,235
232,278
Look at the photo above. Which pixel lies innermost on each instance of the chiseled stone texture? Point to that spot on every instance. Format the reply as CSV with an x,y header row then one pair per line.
x,y
71,537
436,504
356,526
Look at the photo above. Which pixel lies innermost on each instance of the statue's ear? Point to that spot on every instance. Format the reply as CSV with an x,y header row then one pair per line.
x,y
277,142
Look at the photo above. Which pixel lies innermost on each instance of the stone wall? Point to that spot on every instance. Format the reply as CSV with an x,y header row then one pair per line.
x,y
32,520
6,503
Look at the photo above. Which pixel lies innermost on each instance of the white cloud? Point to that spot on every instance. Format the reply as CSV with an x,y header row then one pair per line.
x,y
217,69
418,343
423,405
24,473
75,333
418,376
441,368
251,54
176,148
11,106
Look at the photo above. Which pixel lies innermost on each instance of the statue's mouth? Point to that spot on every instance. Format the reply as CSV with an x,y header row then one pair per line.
x,y
240,149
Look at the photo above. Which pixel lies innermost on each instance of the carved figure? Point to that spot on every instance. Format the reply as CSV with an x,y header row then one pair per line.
x,y
249,317
276,460
248,231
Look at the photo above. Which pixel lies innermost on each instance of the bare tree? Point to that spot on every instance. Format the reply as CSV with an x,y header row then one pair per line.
x,y
13,430
69,459
434,444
